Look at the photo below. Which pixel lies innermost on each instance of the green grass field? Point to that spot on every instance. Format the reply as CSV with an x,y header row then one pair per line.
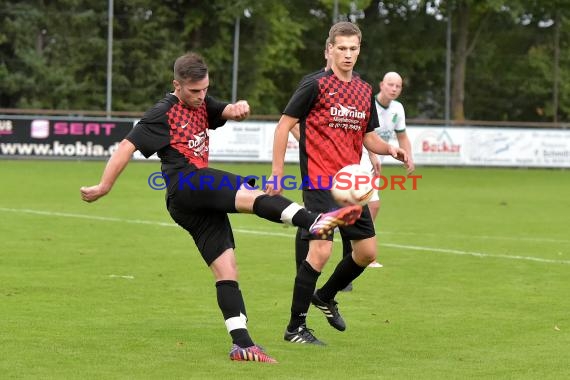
x,y
475,284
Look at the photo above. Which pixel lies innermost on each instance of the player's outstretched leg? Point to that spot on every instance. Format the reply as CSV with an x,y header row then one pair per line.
x,y
325,224
250,354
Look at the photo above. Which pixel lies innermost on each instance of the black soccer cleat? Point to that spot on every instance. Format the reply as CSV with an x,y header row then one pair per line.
x,y
330,310
302,335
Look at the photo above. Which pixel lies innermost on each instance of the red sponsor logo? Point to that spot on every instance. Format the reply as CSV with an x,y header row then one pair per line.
x,y
79,129
440,147
345,181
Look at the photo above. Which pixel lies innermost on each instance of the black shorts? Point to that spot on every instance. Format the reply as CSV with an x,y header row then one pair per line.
x,y
322,201
199,203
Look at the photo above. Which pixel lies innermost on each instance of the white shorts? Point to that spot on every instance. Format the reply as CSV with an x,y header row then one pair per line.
x,y
365,161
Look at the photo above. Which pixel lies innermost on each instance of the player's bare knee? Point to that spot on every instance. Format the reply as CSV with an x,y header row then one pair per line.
x,y
363,258
224,267
319,254
364,251
245,198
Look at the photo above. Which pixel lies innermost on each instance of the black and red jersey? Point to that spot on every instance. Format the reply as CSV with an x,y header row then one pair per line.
x,y
333,116
177,133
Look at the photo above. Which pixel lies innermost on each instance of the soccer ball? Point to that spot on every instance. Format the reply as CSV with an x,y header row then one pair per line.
x,y
352,185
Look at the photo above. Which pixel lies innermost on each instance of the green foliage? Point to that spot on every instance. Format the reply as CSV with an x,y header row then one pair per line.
x,y
269,58
53,54
513,77
391,43
51,51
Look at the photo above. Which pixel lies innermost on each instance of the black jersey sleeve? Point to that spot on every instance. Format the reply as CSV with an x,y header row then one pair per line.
x,y
373,122
152,132
302,100
214,107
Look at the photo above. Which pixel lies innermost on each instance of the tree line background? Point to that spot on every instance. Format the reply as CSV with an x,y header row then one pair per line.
x,y
510,59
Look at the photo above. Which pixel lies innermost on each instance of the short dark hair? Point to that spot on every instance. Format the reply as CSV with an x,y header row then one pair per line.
x,y
191,66
344,28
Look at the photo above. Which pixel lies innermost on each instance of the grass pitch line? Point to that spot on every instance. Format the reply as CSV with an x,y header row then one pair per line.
x,y
476,254
471,237
279,234
483,237
88,217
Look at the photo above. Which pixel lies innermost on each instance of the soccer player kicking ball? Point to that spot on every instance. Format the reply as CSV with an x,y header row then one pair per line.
x,y
176,128
336,115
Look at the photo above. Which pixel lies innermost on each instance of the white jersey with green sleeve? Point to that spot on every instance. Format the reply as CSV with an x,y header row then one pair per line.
x,y
391,119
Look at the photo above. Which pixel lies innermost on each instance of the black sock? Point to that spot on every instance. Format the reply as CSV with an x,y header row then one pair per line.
x,y
242,307
346,247
232,306
270,207
305,283
304,218
301,249
344,273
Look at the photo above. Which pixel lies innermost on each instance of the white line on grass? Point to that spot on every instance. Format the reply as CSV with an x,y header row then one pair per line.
x,y
531,239
88,217
478,254
119,276
280,234
484,237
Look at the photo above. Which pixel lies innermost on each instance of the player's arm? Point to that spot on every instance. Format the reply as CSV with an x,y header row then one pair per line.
x,y
296,132
285,125
237,111
376,164
113,169
375,144
404,143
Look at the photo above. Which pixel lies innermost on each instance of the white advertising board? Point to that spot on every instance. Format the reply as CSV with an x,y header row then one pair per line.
x,y
487,146
248,141
252,141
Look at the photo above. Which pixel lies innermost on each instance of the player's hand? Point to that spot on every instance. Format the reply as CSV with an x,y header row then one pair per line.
x,y
273,187
410,167
376,164
399,154
92,193
240,110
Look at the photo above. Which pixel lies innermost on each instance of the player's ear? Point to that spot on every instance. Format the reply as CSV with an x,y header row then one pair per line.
x,y
176,85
